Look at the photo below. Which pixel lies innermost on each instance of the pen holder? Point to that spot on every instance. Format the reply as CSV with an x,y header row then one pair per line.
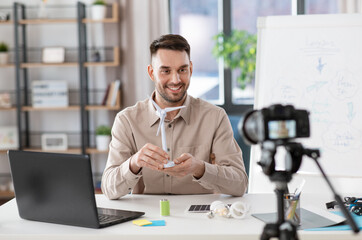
x,y
292,208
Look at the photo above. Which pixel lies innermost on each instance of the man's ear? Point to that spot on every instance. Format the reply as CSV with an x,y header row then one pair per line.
x,y
191,68
150,72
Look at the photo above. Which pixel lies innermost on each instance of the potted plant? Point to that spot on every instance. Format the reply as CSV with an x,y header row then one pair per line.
x,y
98,10
239,52
4,54
103,137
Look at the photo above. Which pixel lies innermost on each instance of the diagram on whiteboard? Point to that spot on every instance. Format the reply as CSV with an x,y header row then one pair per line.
x,y
317,66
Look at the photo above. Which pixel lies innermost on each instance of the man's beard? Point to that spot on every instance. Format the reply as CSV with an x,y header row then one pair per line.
x,y
171,100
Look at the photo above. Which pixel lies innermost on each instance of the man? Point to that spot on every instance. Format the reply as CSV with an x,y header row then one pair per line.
x,y
199,137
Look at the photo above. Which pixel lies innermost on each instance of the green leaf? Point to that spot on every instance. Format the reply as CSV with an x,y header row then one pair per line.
x,y
239,52
103,130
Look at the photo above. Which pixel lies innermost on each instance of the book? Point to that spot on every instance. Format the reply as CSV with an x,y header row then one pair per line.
x,y
109,97
113,93
104,101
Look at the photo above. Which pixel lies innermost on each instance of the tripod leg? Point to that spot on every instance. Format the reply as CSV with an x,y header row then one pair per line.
x,y
288,231
271,230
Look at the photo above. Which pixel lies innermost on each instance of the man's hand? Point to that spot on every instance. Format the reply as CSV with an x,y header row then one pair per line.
x,y
186,164
149,156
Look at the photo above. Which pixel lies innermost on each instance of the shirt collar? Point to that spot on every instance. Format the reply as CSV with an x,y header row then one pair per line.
x,y
184,113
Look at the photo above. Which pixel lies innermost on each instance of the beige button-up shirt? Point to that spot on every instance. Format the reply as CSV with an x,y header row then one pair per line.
x,y
201,129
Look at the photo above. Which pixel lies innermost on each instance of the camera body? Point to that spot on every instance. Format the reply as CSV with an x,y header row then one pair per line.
x,y
276,123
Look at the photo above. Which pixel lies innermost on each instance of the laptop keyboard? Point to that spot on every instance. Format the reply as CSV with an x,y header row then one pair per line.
x,y
103,218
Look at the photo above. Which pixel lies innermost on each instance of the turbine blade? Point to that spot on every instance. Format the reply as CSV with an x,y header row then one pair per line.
x,y
170,109
156,106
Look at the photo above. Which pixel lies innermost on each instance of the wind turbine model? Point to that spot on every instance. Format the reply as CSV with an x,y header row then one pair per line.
x,y
162,114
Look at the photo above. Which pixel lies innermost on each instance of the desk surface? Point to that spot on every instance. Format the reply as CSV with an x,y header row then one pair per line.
x,y
180,225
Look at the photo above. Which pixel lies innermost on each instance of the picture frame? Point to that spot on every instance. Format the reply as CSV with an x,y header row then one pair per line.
x,y
50,141
5,100
53,55
9,138
50,93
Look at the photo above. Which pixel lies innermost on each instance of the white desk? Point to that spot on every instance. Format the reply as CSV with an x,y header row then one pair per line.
x,y
180,225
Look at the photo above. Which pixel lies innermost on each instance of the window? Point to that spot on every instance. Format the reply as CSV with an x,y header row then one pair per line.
x,y
244,16
198,21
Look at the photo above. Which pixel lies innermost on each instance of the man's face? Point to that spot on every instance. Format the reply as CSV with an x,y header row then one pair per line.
x,y
171,71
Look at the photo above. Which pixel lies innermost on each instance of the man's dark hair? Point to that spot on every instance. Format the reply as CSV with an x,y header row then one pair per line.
x,y
171,42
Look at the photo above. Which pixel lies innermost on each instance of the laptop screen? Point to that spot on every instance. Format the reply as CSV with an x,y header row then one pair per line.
x,y
54,187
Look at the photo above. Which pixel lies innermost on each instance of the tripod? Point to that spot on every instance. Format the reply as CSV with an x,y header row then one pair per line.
x,y
284,229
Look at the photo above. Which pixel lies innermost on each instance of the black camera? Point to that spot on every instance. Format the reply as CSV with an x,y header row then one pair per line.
x,y
275,123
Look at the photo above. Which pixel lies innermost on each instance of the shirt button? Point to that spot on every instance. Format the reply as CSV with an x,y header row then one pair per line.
x,y
167,175
129,189
168,149
170,126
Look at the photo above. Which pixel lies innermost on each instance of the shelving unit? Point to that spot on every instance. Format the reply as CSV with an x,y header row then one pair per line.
x,y
6,71
22,66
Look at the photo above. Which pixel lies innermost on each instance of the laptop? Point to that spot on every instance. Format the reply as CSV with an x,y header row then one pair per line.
x,y
58,188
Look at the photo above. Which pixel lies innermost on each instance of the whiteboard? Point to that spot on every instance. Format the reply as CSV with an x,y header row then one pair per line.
x,y
314,62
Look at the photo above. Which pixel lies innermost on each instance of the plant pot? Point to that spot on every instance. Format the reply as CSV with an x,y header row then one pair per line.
x,y
4,58
102,142
98,12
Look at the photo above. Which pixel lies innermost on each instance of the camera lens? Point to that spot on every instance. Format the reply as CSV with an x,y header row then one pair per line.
x,y
252,128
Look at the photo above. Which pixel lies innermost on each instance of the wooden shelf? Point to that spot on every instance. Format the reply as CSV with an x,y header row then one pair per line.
x,y
102,107
66,20
6,22
94,151
114,63
47,21
37,65
70,108
106,20
99,64
69,64
7,65
6,150
70,150
7,109
6,194
113,19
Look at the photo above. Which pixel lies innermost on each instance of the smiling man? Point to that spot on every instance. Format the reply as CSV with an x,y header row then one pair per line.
x,y
199,136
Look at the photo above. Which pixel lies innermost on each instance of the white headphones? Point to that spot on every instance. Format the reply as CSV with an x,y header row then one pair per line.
x,y
238,210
